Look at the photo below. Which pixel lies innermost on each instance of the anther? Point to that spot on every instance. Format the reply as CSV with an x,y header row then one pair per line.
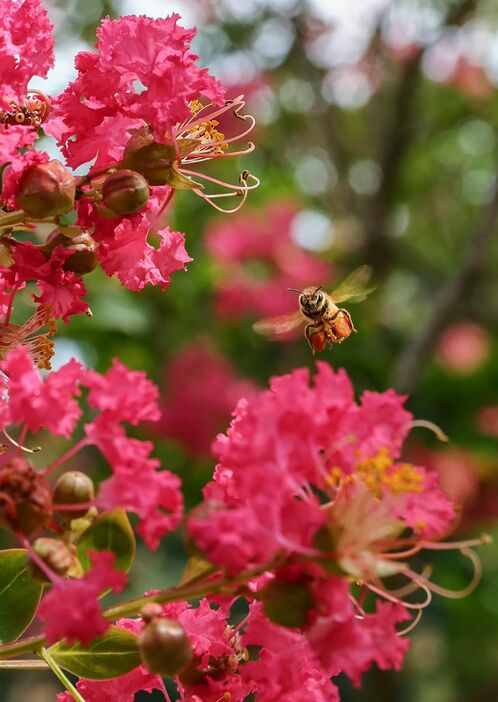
x,y
35,449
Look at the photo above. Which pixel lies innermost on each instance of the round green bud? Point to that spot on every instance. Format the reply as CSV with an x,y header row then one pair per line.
x,y
287,603
73,488
125,192
164,646
149,157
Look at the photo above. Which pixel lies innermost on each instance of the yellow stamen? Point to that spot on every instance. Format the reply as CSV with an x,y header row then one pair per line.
x,y
380,471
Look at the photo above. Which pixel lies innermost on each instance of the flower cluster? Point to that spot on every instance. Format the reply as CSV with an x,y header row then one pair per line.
x,y
259,261
143,113
28,503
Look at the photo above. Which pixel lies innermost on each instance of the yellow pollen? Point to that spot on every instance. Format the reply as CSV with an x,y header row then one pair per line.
x,y
335,477
419,525
195,106
379,471
207,132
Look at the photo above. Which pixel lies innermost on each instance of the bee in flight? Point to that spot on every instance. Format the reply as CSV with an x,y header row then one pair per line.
x,y
325,322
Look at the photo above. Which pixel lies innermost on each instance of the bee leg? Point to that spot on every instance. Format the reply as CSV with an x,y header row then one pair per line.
x,y
349,318
308,332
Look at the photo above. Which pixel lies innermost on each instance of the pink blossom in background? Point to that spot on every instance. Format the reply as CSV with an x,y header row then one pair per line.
x,y
471,79
200,392
456,469
487,420
463,348
258,261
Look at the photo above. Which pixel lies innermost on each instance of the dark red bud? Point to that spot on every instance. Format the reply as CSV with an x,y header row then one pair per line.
x,y
287,603
164,646
47,190
73,488
83,260
125,192
25,497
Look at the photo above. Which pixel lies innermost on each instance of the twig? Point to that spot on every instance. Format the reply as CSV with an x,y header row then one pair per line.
x,y
453,291
395,143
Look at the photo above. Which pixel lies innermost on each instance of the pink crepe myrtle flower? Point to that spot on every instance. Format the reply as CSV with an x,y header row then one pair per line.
x,y
142,71
258,261
123,394
120,395
60,289
348,643
157,499
26,46
287,667
202,390
47,403
143,79
463,348
26,50
71,609
124,248
293,443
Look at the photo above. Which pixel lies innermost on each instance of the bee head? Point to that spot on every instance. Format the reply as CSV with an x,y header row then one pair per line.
x,y
311,300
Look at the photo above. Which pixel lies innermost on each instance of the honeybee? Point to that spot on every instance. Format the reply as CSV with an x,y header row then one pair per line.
x,y
325,322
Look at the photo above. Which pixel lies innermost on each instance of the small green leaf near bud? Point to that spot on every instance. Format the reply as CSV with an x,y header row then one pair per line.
x,y
164,647
46,190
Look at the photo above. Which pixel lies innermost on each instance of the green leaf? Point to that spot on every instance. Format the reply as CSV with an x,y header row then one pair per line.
x,y
109,532
196,569
108,656
19,594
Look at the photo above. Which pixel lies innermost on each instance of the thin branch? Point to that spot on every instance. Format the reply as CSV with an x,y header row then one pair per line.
x,y
445,307
395,143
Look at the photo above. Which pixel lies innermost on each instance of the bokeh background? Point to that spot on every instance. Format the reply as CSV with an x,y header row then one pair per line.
x,y
376,143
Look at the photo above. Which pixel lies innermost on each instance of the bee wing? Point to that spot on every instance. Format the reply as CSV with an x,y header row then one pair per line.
x,y
354,288
279,325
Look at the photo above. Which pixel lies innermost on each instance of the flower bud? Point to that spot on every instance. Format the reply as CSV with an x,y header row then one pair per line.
x,y
150,158
150,611
164,646
47,189
125,192
73,488
25,498
287,603
57,555
83,260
